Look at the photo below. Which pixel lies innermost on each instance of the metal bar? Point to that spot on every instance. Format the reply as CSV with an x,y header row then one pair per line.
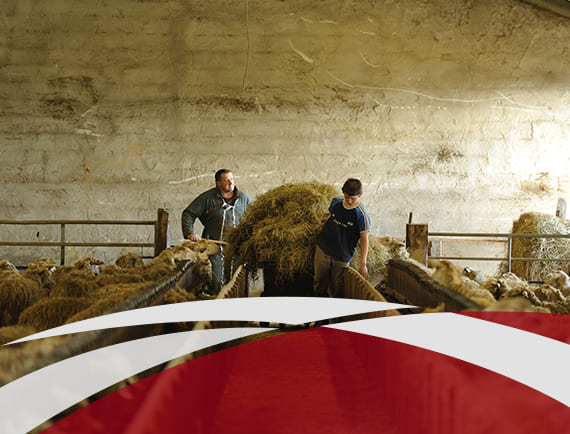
x,y
72,244
497,235
62,244
476,258
510,254
467,234
468,258
78,222
509,239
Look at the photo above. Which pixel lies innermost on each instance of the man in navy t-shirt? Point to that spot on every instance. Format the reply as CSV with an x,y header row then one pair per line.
x,y
348,224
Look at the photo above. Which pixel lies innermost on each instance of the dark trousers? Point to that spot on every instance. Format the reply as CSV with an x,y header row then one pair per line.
x,y
329,275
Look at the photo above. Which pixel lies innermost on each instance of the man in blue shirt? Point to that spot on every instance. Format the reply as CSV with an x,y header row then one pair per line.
x,y
219,210
347,225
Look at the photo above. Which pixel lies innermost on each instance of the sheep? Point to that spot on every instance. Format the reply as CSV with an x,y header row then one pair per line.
x,y
556,307
130,260
171,255
88,265
110,274
499,285
545,298
13,332
511,280
107,298
205,246
19,290
187,251
494,286
515,304
549,293
7,265
396,248
124,288
521,291
16,294
75,280
453,277
52,312
559,279
167,261
73,283
473,275
42,272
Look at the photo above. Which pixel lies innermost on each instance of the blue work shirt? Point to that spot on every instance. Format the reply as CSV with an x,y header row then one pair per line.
x,y
341,232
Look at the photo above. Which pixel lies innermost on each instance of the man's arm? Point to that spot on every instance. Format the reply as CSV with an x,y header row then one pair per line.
x,y
363,270
189,215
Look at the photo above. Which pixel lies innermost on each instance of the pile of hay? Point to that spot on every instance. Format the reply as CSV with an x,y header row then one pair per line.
x,y
547,248
281,227
380,251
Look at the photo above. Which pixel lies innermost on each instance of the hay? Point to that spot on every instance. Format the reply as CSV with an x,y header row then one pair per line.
x,y
281,227
547,248
380,251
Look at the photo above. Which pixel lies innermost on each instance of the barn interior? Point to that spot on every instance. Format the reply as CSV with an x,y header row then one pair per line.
x,y
455,115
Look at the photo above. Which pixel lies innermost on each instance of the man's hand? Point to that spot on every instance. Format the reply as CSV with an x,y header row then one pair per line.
x,y
194,237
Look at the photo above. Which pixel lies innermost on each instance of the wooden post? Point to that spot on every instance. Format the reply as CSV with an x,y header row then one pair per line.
x,y
62,248
161,231
417,241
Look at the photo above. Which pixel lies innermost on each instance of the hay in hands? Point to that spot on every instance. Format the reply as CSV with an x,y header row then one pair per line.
x,y
281,227
380,251
547,248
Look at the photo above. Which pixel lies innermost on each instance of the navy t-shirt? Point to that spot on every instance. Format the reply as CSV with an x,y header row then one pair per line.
x,y
341,232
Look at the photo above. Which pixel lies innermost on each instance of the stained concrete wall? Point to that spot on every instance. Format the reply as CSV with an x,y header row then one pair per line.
x,y
455,110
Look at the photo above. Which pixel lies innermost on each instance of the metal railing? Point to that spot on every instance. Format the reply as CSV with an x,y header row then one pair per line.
x,y
505,237
160,226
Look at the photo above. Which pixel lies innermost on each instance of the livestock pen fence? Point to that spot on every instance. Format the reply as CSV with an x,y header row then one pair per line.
x,y
62,242
508,240
424,245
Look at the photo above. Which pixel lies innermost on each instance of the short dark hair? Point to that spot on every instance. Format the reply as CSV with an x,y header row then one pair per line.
x,y
352,187
220,172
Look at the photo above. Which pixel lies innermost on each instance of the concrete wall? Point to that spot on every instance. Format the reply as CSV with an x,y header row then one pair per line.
x,y
455,110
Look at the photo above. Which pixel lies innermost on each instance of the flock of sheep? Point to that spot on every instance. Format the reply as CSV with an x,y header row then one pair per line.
x,y
44,296
506,292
